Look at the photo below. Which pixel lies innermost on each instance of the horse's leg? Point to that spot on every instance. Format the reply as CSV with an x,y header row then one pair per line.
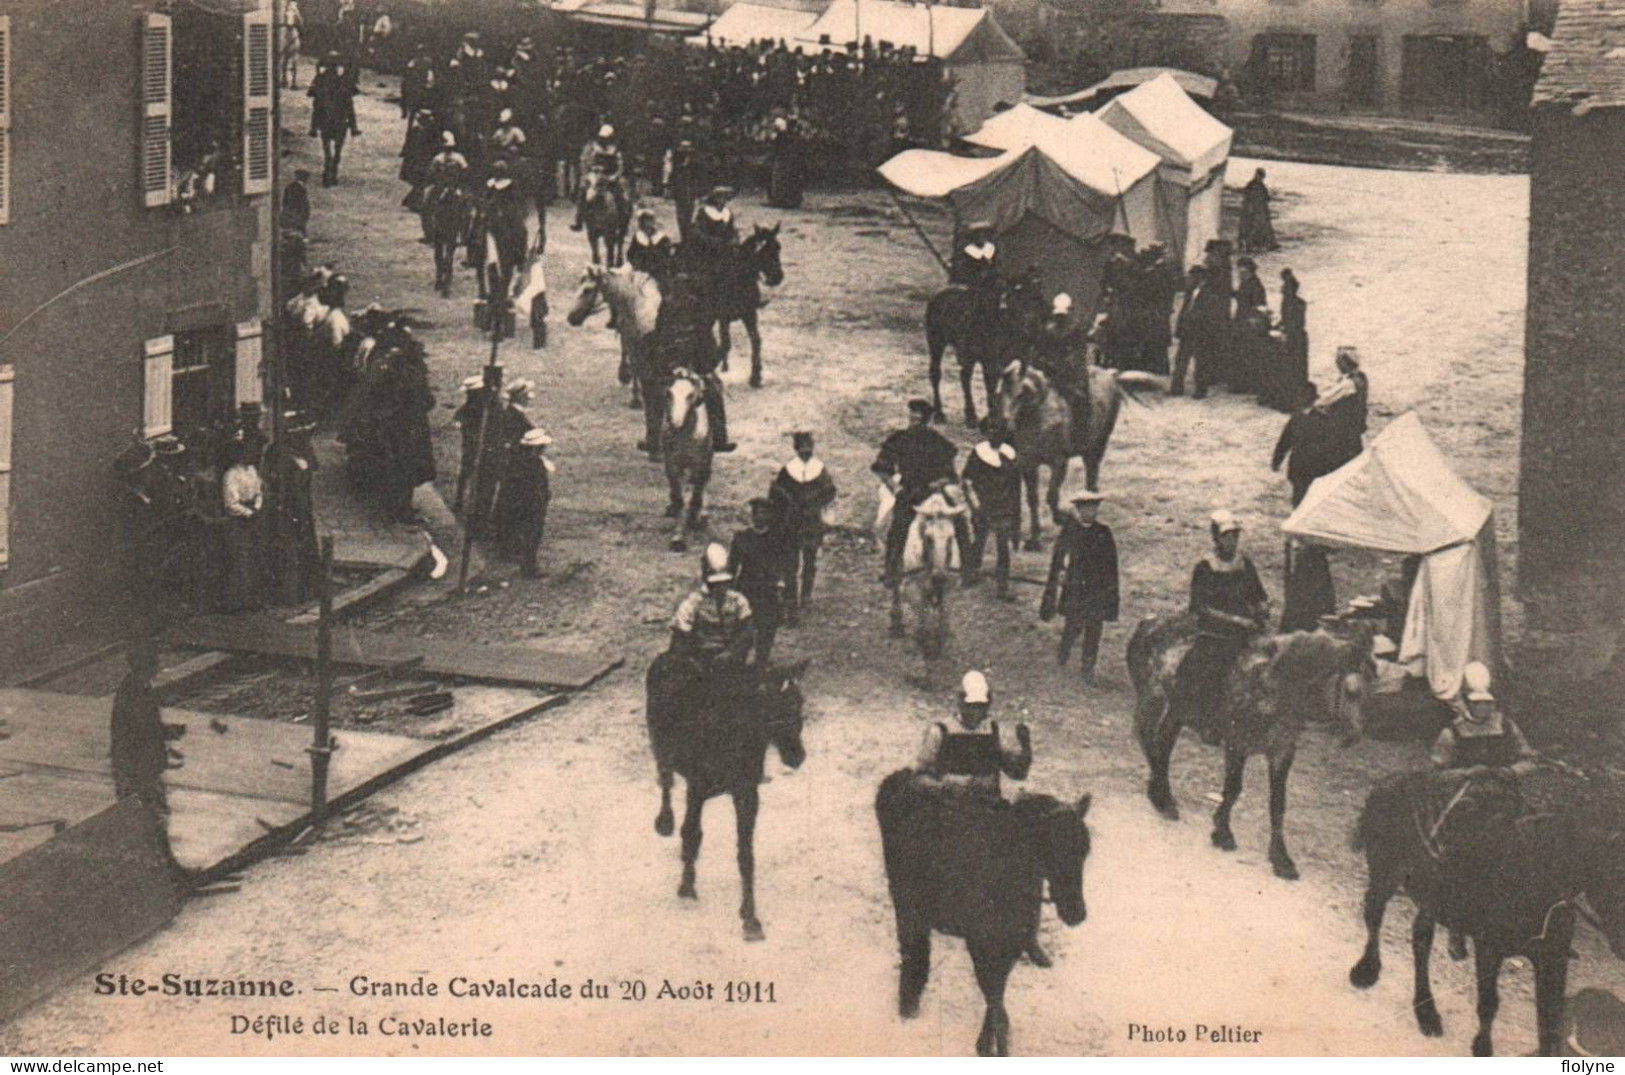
x,y
1487,969
1381,884
1551,982
693,805
936,345
1235,762
914,942
663,820
697,481
674,483
755,334
1280,860
966,370
725,342
746,803
1091,471
896,630
1157,738
993,962
1029,481
1427,1013
1057,478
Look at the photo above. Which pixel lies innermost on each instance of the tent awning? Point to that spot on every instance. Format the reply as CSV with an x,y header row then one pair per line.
x,y
633,16
1193,84
1399,495
1160,116
1084,147
744,23
929,29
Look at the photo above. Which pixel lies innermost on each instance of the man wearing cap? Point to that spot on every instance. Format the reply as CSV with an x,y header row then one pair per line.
x,y
650,249
468,419
332,116
909,462
1060,341
1231,608
528,490
806,492
993,486
756,561
601,163
974,754
1082,582
712,625
290,470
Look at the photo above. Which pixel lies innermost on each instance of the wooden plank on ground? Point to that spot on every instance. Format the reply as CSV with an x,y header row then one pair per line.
x,y
498,664
188,670
357,597
69,658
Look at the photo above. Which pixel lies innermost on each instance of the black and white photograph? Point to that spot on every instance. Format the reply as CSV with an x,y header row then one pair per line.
x,y
812,527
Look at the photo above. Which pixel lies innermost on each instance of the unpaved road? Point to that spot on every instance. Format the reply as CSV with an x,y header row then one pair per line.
x,y
538,858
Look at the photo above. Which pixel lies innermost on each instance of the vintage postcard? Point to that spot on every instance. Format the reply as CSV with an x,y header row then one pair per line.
x,y
795,527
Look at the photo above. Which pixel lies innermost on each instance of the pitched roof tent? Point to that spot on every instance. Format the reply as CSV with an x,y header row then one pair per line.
x,y
1020,125
1126,78
1585,66
1083,147
1161,116
948,33
743,23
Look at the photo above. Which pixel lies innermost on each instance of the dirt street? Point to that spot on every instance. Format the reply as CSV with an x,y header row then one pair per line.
x,y
538,858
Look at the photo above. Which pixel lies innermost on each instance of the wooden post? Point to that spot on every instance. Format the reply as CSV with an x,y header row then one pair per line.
x,y
321,754
474,514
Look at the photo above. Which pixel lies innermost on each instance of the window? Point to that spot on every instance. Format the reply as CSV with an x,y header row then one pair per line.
x,y
203,384
1285,63
7,385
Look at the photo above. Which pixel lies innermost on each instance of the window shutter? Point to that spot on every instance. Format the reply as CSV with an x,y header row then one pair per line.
x,y
5,121
157,97
7,379
157,417
250,348
257,133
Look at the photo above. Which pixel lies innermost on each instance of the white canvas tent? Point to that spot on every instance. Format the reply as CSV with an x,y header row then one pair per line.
x,y
1194,147
1401,496
987,66
744,23
1051,205
1126,79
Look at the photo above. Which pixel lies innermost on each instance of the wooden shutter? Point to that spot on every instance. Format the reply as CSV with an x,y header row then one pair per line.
x,y
157,410
250,349
5,121
157,108
7,386
257,133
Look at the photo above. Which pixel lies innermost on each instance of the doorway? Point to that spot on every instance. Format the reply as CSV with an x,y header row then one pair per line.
x,y
1362,89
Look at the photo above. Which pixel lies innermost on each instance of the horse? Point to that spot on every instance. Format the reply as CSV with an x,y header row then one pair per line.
x,y
930,553
633,300
984,328
1276,685
976,868
1048,426
607,218
738,294
448,215
1504,859
506,242
716,735
685,441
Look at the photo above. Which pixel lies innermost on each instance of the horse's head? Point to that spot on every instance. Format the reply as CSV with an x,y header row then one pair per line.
x,y
589,297
934,523
1021,387
782,710
1062,839
684,397
762,249
1330,670
1024,305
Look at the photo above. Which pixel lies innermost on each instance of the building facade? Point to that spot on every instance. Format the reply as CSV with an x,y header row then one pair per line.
x,y
1383,55
1571,514
136,142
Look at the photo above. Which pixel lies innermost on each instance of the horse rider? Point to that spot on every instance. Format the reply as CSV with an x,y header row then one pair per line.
x,y
650,249
974,754
805,492
715,233
1060,340
1480,734
756,560
973,258
506,206
910,462
332,115
602,162
711,628
684,340
1231,608
448,169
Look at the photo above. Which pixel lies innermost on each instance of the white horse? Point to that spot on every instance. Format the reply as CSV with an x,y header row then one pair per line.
x,y
930,554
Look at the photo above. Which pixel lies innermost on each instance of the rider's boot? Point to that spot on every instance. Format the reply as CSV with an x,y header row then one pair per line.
x,y
719,422
576,224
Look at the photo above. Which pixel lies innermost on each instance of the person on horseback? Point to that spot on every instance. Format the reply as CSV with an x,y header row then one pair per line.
x,y
1231,608
712,628
910,460
715,234
601,163
651,249
975,754
1480,735
683,338
448,171
1060,341
973,258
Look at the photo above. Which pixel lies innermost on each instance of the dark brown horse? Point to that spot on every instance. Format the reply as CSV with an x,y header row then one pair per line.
x,y
1507,860
715,732
986,326
976,868
1279,683
607,219
448,213
753,262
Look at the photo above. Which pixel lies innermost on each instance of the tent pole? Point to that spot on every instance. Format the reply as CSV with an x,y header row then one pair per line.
x,y
924,238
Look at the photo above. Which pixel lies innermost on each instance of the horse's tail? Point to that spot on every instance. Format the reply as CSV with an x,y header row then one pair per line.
x,y
936,337
1139,653
1130,383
